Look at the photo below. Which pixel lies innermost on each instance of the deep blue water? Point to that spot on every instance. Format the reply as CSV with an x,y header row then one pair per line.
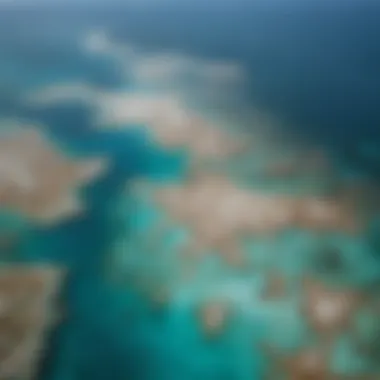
x,y
314,65
318,70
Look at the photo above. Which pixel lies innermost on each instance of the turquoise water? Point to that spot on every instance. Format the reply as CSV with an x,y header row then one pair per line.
x,y
88,343
110,331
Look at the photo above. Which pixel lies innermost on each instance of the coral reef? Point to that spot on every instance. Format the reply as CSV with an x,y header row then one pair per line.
x,y
37,180
26,313
303,316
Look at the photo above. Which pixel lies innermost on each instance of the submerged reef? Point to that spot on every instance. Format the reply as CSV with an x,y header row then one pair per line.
x,y
293,267
170,124
163,116
39,190
28,311
36,180
220,249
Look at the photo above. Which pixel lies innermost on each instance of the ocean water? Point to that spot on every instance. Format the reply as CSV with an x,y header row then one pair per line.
x,y
315,70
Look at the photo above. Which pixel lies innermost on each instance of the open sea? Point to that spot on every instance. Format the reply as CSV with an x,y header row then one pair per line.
x,y
312,67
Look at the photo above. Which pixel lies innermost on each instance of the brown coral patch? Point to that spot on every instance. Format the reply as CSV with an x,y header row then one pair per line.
x,y
25,313
329,311
38,181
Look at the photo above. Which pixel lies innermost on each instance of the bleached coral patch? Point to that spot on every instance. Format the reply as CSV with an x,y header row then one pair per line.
x,y
165,117
170,123
208,79
121,109
61,93
164,85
